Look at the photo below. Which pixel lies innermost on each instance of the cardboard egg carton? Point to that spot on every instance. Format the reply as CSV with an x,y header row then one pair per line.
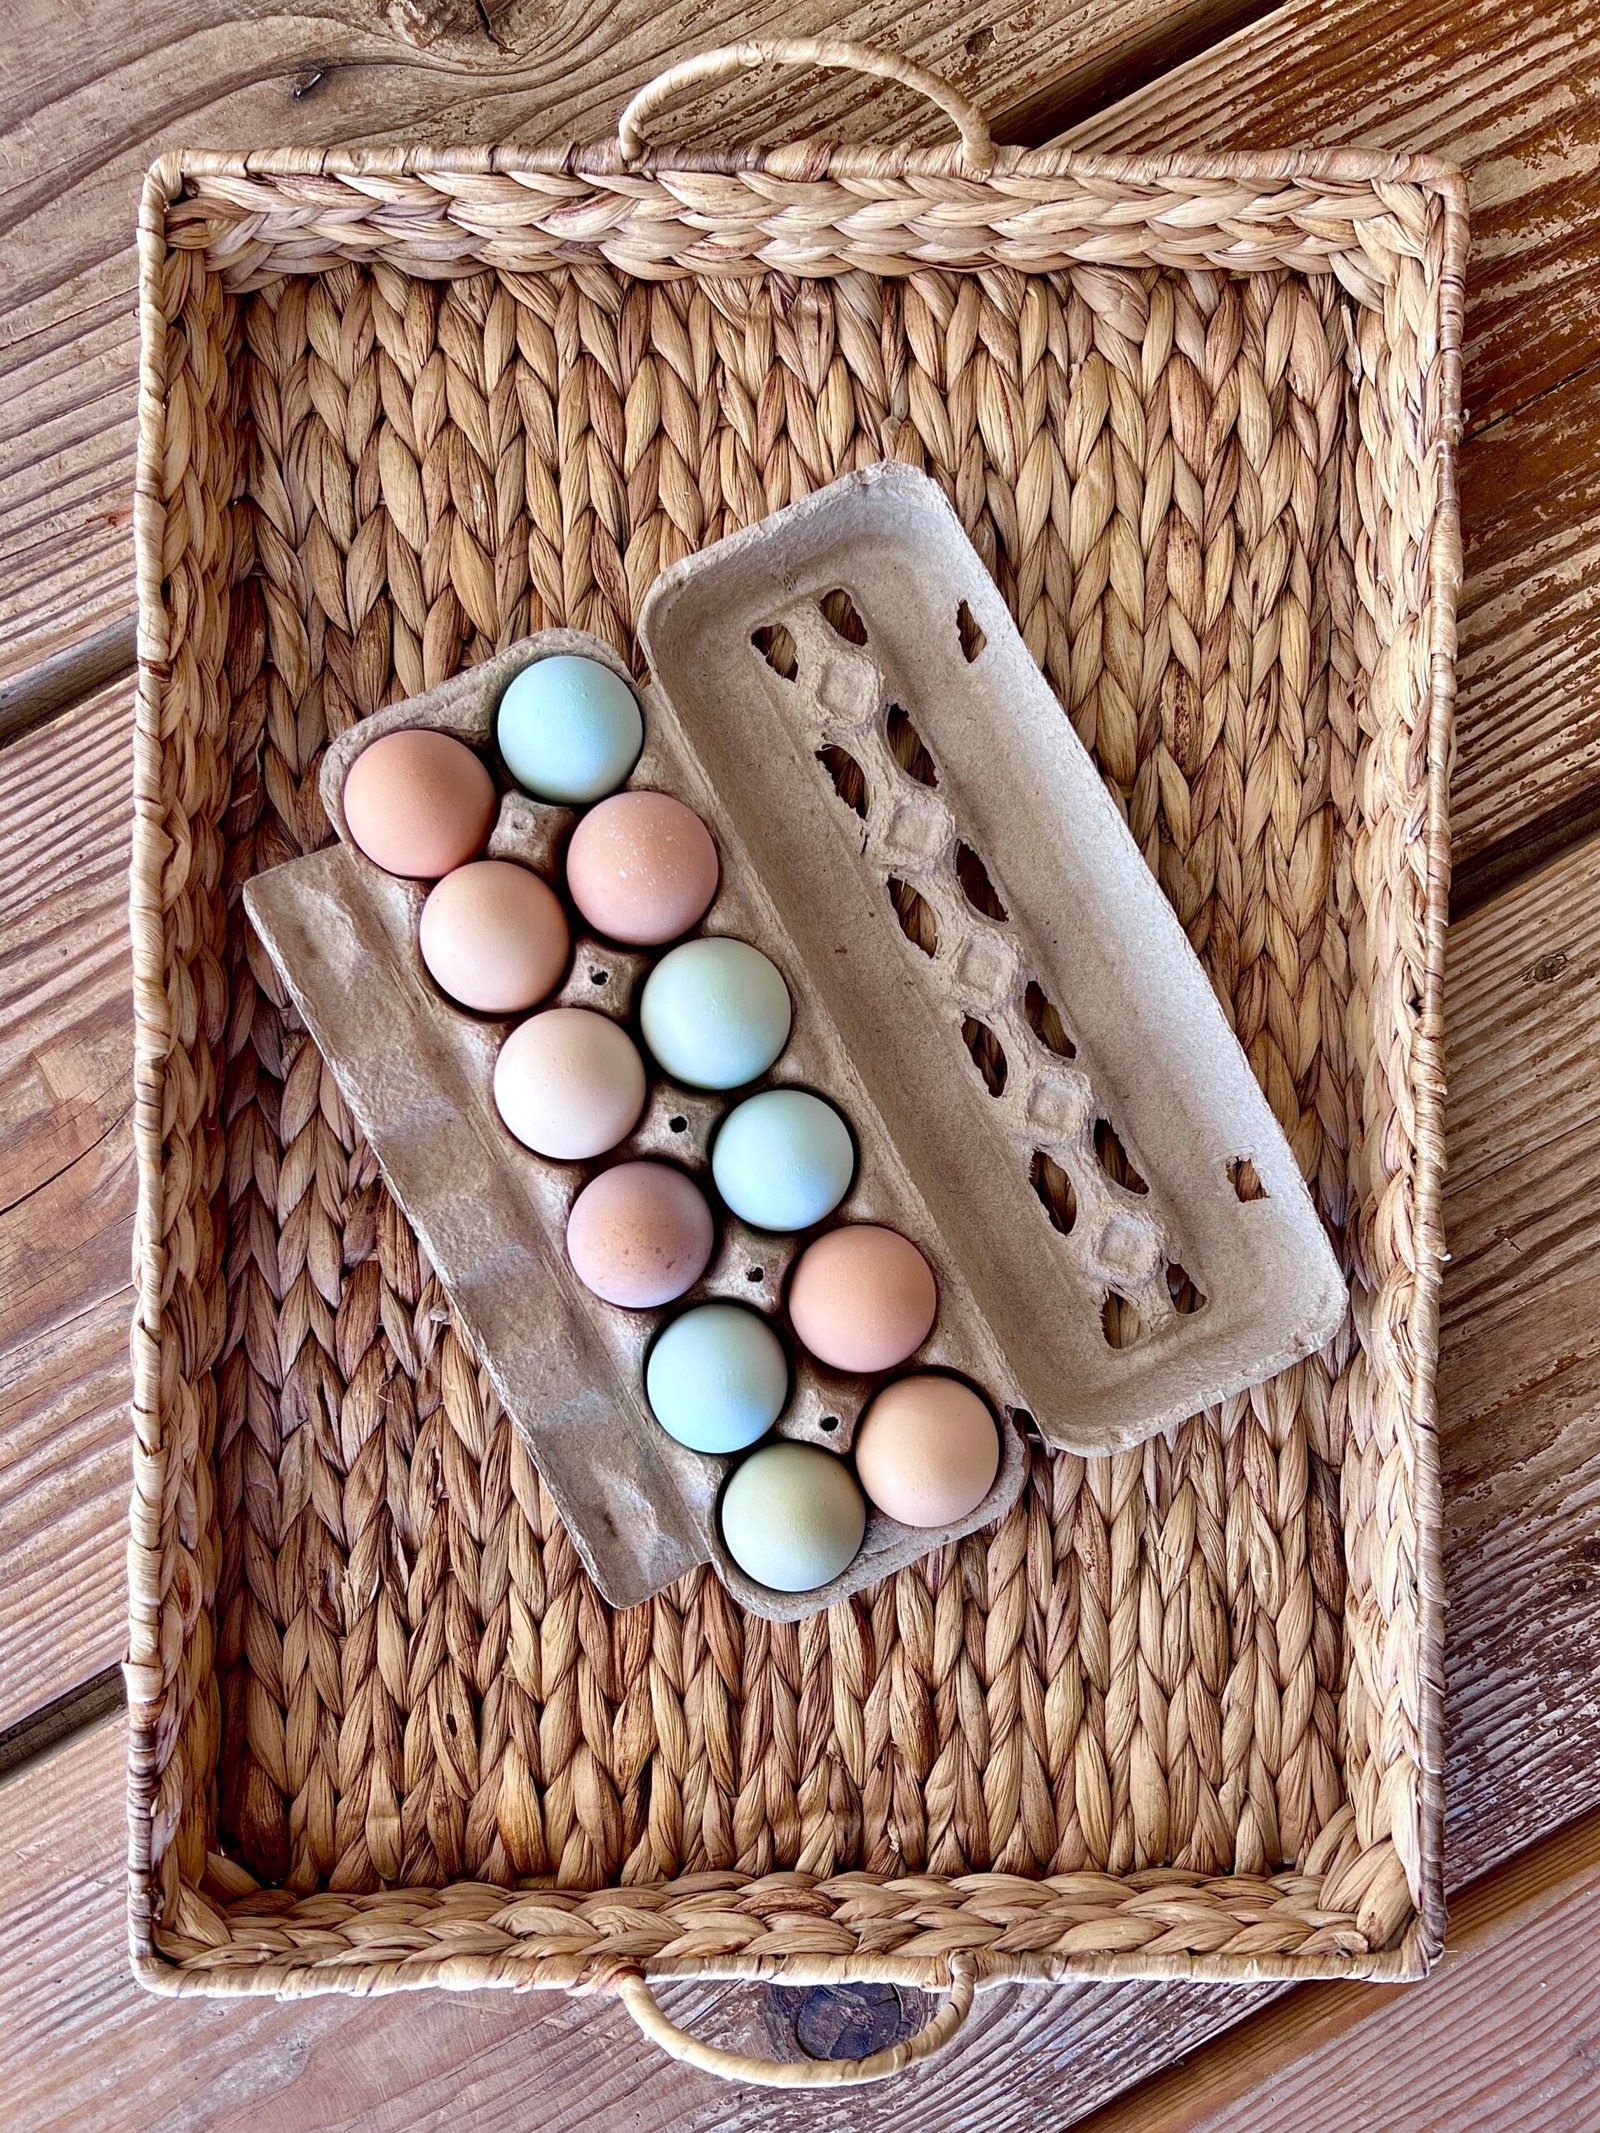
x,y
1061,1022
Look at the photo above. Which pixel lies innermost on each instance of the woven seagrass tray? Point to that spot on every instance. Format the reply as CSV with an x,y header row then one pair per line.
x,y
1179,1711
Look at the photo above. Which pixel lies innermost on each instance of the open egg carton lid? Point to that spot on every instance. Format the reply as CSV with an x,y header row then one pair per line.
x,y
1045,1094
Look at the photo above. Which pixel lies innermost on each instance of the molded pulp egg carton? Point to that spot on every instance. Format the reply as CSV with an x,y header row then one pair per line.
x,y
1183,1199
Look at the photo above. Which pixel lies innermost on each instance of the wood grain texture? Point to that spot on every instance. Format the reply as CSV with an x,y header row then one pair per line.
x,y
66,1198
1507,2036
1512,93
96,94
85,2046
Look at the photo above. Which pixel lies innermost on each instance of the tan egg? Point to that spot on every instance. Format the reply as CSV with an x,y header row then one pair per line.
x,y
640,1234
927,1451
642,868
419,803
862,1298
569,1083
494,936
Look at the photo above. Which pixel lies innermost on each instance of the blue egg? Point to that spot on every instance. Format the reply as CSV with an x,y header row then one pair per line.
x,y
569,729
715,1013
717,1378
783,1159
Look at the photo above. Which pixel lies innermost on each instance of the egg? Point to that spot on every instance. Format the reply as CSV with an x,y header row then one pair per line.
x,y
569,729
792,1517
927,1450
494,937
862,1298
642,868
783,1159
715,1013
717,1378
569,1083
640,1234
419,803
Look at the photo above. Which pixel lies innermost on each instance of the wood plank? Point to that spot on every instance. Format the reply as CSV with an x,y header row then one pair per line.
x,y
66,1198
86,2046
91,111
1506,2036
1512,93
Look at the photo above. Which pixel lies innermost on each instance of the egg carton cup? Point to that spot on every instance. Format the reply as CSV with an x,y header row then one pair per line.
x,y
1185,1209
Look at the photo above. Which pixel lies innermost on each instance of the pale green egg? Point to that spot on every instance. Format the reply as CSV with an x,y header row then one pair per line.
x,y
793,1517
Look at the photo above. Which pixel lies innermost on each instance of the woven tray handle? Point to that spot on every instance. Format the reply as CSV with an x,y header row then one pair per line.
x,y
976,144
646,2010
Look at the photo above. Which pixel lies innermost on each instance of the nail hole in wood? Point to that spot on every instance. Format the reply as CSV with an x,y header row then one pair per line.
x,y
987,1055
776,647
839,612
976,886
906,742
972,638
1114,1159
1119,1321
1045,1023
1186,1297
849,780
916,918
1243,1177
1055,1192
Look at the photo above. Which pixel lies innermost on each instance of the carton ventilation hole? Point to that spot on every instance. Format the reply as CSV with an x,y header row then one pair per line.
x,y
1186,1297
1045,1023
987,1054
976,886
755,1273
1113,1158
1055,1192
776,647
849,780
916,917
677,1125
599,977
972,638
1119,1321
1243,1177
839,612
830,1423
909,752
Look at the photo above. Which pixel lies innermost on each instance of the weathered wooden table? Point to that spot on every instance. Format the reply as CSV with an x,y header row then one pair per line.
x,y
1509,88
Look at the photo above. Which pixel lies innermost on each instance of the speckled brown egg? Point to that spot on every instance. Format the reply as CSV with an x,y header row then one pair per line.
x,y
862,1298
640,1234
419,803
927,1450
642,868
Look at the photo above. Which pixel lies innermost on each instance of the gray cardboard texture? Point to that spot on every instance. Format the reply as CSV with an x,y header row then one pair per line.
x,y
878,1028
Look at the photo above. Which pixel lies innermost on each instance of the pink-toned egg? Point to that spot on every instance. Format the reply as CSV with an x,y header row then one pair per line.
x,y
862,1298
640,1234
642,868
569,1083
927,1451
419,803
494,937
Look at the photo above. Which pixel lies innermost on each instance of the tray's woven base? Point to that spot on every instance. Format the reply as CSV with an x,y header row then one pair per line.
x,y
1197,1659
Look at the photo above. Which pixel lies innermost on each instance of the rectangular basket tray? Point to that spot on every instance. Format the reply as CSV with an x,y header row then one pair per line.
x,y
882,1026
402,411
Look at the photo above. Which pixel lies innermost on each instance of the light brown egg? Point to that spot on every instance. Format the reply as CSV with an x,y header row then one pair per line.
x,y
419,803
862,1298
640,1234
569,1083
494,937
642,868
927,1451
